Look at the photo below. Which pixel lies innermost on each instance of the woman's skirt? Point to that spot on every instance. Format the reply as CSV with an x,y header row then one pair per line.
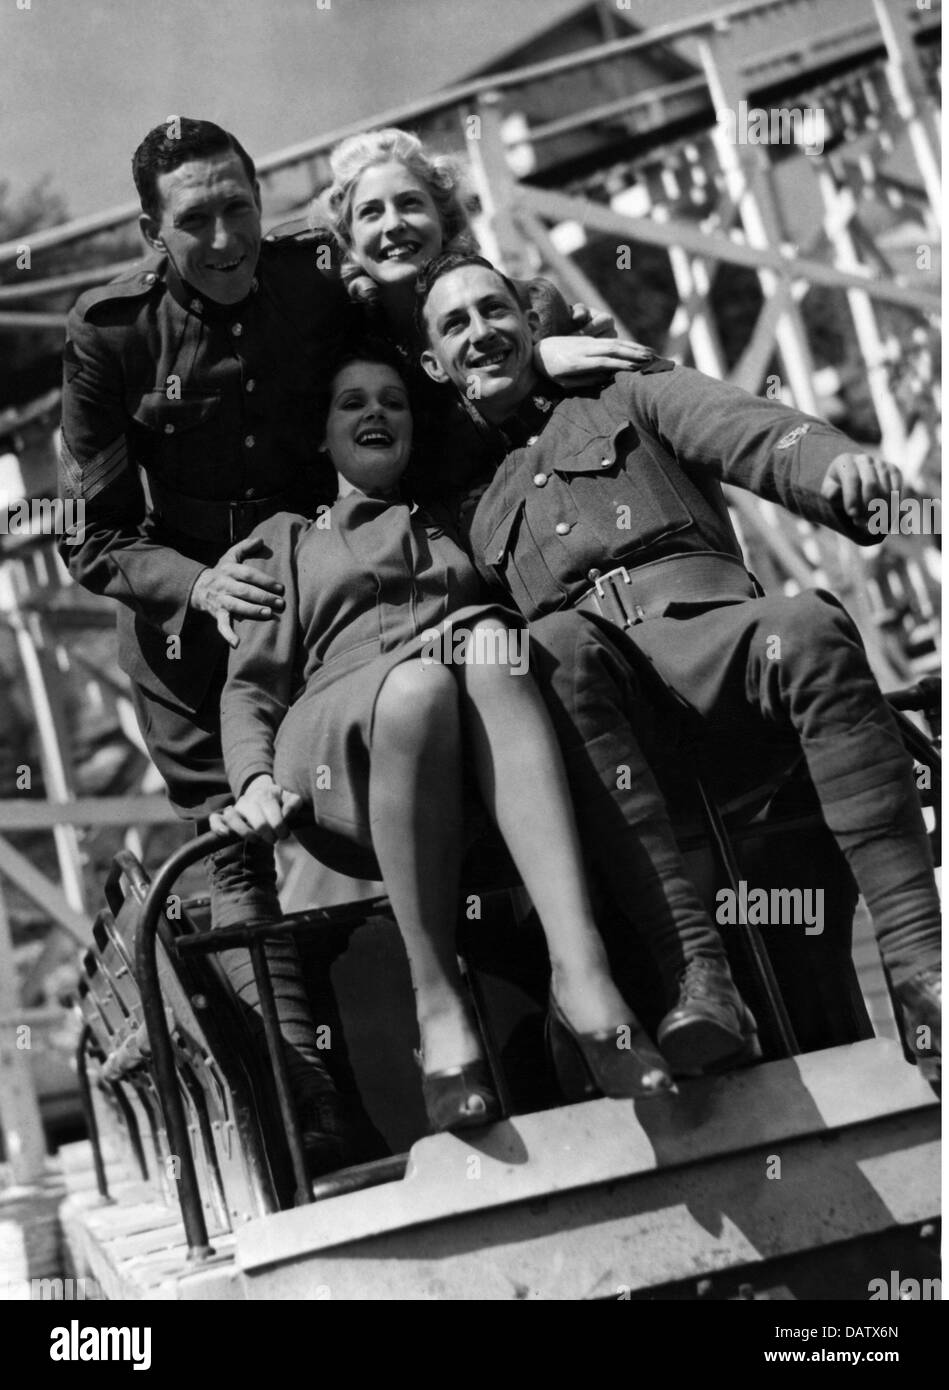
x,y
323,746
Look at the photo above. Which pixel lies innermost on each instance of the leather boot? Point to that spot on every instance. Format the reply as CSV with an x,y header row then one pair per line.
x,y
919,1001
710,1023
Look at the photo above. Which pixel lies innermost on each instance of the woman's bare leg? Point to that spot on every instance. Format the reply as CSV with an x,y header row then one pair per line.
x,y
415,811
522,780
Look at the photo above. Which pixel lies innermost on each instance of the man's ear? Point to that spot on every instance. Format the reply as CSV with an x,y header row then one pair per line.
x,y
434,368
257,195
534,324
151,230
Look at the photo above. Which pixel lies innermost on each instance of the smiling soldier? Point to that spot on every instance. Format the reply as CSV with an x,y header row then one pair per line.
x,y
188,418
652,448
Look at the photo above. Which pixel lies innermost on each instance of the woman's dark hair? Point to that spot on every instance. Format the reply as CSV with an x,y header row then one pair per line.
x,y
365,349
173,143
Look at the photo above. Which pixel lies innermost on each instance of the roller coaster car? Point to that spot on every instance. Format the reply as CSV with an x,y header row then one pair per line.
x,y
803,1176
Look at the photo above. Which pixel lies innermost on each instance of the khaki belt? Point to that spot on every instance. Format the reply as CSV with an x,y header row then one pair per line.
x,y
631,596
205,520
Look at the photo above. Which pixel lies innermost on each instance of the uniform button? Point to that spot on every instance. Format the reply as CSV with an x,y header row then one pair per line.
x,y
593,576
532,440
540,479
249,385
605,463
249,441
169,429
237,329
562,528
196,306
150,278
250,494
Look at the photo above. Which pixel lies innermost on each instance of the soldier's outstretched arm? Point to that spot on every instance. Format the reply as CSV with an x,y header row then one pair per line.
x,y
767,448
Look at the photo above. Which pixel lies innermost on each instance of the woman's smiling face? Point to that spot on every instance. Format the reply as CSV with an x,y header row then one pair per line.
x,y
396,226
369,427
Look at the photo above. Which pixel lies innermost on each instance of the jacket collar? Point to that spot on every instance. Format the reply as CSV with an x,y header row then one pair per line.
x,y
195,303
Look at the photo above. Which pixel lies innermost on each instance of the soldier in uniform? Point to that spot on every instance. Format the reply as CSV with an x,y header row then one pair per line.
x,y
189,417
609,500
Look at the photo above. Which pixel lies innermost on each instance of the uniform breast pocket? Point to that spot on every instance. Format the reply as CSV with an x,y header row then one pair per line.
x,y
515,556
630,500
172,415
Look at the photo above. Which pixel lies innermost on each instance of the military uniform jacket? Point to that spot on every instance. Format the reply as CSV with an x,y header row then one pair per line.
x,y
631,473
169,393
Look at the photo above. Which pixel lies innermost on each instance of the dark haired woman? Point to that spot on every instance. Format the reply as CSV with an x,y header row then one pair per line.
x,y
358,701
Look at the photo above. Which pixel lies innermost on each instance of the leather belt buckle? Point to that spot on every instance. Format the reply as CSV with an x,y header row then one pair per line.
x,y
242,517
611,575
614,602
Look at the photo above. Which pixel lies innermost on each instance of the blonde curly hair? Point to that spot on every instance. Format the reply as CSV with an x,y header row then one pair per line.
x,y
439,174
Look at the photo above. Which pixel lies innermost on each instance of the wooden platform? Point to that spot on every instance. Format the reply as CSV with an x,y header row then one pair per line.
x,y
584,1202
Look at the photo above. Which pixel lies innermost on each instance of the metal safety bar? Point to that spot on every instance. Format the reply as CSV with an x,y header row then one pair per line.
x,y
249,934
162,1050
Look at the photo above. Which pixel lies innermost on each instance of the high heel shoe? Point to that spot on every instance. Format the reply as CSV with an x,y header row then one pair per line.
x,y
590,1064
459,1097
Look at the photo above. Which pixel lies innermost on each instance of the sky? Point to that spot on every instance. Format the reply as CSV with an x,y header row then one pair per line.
x,y
81,81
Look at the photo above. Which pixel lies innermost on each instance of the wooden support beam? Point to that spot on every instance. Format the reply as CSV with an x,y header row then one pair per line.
x,y
559,207
25,813
25,288
908,86
747,174
497,188
20,1123
45,894
15,323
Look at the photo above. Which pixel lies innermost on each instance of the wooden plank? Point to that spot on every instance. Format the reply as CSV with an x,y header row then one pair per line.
x,y
560,207
26,813
46,894
20,1122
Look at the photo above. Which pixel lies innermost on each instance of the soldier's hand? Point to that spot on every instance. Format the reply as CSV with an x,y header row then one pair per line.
x,y
260,812
856,480
577,360
235,589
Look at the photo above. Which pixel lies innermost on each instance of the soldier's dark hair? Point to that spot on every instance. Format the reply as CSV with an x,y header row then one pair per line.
x,y
443,265
173,143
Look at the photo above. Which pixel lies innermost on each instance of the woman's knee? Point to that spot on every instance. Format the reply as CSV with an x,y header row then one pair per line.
x,y
414,695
